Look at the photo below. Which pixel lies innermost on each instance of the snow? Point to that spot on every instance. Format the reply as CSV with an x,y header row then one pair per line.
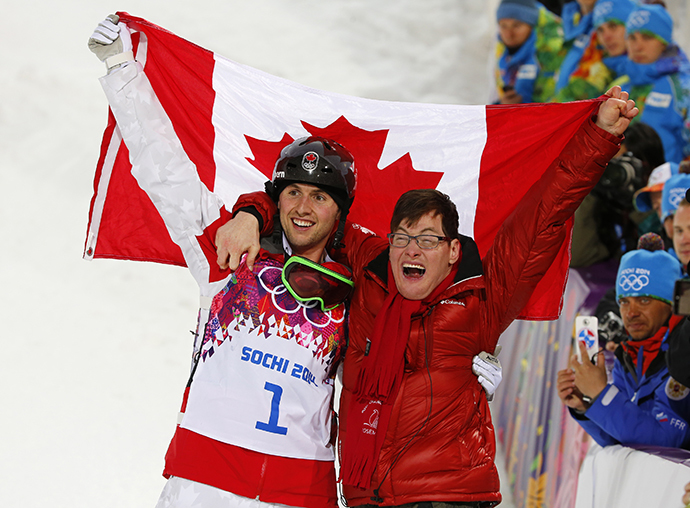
x,y
96,354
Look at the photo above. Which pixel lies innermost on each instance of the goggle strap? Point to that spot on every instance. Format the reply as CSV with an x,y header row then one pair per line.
x,y
319,268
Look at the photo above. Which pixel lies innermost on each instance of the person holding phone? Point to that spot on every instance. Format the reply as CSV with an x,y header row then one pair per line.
x,y
643,404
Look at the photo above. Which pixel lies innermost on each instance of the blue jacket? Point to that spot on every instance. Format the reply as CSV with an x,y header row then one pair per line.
x,y
577,31
662,93
642,408
520,70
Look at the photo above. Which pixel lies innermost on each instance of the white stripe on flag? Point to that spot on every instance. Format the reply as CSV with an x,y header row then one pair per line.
x,y
102,193
447,139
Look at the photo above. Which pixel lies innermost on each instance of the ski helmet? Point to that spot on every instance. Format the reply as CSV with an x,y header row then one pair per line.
x,y
317,161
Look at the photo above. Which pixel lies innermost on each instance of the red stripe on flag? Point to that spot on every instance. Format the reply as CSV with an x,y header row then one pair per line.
x,y
518,137
137,231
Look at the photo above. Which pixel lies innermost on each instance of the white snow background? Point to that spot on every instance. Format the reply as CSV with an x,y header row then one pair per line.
x,y
95,355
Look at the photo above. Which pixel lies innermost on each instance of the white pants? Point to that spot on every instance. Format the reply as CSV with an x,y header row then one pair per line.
x,y
181,493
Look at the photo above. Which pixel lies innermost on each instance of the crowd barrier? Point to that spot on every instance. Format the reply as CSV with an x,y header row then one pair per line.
x,y
544,447
623,477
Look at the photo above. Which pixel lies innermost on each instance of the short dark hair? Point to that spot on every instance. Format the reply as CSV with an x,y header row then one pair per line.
x,y
414,204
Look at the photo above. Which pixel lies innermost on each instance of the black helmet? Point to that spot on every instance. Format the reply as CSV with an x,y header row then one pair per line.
x,y
317,161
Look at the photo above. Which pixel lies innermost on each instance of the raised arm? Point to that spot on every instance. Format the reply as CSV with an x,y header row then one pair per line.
x,y
159,162
529,240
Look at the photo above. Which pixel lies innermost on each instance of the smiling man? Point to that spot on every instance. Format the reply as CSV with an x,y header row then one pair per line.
x,y
415,426
642,405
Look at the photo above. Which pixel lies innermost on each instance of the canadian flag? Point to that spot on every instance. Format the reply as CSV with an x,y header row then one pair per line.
x,y
233,120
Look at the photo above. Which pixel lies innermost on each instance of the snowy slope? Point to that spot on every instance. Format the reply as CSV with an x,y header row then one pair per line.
x,y
95,354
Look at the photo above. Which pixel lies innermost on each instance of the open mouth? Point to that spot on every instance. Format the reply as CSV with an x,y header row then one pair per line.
x,y
413,271
301,223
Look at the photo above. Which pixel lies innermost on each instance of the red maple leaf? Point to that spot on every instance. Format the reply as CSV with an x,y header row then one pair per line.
x,y
377,188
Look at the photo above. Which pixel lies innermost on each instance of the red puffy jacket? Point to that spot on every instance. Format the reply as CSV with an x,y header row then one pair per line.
x,y
440,444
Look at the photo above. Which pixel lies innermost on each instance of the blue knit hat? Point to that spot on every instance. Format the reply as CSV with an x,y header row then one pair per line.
x,y
612,10
648,273
653,19
522,10
673,193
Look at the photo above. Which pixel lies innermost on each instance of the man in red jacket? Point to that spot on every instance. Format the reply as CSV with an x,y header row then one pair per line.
x,y
415,426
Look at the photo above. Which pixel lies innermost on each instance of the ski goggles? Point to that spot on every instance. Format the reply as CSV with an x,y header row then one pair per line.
x,y
328,284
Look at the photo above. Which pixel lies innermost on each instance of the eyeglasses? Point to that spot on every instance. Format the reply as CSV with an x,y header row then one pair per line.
x,y
325,284
426,242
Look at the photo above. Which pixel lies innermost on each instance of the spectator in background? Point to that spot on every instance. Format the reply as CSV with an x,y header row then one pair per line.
x,y
642,405
648,199
578,25
681,237
671,195
678,356
591,76
656,73
528,51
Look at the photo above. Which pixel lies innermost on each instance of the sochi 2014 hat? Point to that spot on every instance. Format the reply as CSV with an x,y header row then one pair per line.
x,y
653,19
522,10
613,10
673,193
655,183
648,273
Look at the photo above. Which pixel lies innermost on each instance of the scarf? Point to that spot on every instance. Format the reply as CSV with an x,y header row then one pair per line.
x,y
646,350
509,68
378,382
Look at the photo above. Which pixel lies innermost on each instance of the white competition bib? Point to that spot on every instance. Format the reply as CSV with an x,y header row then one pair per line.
x,y
264,381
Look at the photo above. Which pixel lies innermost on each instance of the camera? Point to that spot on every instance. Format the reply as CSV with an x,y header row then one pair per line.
x,y
611,328
621,178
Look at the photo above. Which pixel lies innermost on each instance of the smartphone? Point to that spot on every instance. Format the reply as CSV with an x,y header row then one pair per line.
x,y
587,331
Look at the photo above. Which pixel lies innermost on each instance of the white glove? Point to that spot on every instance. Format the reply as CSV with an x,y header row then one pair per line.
x,y
488,370
111,42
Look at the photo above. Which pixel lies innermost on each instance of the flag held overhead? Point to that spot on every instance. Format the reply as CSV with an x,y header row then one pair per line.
x,y
233,121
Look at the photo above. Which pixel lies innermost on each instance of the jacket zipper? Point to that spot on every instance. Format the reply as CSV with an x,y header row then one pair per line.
x,y
262,478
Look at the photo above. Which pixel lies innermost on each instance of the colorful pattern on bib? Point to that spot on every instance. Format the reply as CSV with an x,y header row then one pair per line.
x,y
259,304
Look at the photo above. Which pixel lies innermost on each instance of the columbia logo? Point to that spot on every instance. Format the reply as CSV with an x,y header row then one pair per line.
x,y
454,302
